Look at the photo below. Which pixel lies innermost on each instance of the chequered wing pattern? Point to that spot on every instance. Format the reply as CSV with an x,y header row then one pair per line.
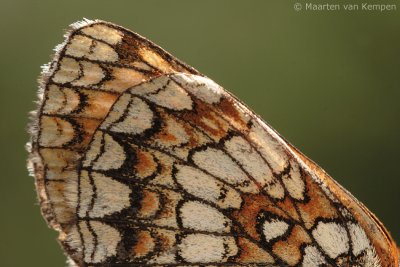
x,y
141,161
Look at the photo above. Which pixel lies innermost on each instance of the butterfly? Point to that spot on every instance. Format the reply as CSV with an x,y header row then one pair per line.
x,y
140,160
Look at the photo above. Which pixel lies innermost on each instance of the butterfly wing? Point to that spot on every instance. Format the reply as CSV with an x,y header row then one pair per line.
x,y
178,172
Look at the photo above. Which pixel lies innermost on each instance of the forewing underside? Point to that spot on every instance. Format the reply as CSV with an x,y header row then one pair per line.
x,y
192,165
95,64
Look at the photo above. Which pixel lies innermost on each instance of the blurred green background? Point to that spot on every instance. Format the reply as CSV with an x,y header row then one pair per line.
x,y
327,81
